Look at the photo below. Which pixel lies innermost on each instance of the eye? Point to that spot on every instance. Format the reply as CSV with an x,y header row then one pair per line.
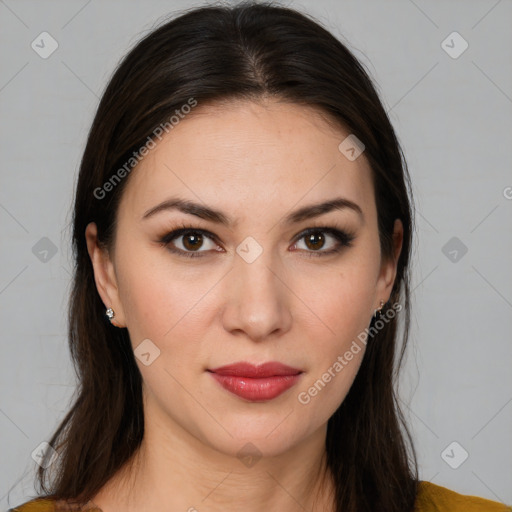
x,y
315,239
193,239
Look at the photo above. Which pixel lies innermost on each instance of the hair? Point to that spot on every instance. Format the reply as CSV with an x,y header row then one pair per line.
x,y
217,54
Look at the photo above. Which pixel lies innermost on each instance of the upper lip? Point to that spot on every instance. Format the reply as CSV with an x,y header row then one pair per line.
x,y
245,369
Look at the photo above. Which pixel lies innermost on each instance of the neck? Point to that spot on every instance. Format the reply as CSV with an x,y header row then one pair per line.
x,y
173,470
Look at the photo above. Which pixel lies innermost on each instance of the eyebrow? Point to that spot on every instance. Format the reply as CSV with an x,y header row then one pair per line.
x,y
213,215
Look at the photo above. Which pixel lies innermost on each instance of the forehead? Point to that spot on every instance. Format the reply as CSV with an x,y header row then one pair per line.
x,y
250,158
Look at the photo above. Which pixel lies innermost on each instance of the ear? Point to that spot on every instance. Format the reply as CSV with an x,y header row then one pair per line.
x,y
388,268
104,275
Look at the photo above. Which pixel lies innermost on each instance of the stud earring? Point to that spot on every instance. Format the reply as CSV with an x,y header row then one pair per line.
x,y
110,314
379,310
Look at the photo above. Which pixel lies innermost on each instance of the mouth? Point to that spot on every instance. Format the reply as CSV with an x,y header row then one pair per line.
x,y
256,383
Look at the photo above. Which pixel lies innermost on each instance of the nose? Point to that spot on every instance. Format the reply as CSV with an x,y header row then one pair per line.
x,y
257,299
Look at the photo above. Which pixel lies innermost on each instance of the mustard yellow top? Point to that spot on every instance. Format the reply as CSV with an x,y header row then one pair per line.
x,y
431,498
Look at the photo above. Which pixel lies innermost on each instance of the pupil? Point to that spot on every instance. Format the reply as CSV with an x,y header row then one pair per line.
x,y
194,244
311,239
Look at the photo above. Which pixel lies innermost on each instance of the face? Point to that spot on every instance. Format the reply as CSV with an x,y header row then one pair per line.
x,y
250,284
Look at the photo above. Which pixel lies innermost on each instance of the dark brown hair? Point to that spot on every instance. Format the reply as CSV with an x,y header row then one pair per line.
x,y
214,54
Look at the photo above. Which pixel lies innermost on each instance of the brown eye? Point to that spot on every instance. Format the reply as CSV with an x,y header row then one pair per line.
x,y
315,240
192,241
187,242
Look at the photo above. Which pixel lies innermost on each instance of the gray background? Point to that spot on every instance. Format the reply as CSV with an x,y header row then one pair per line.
x,y
453,117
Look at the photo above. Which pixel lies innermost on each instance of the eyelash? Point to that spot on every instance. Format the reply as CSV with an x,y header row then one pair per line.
x,y
344,238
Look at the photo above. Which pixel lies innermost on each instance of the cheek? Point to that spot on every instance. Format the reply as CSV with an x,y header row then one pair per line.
x,y
162,310
168,306
337,350
153,302
337,301
342,306
330,378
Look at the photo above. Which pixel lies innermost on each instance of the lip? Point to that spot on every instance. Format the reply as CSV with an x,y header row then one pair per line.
x,y
256,383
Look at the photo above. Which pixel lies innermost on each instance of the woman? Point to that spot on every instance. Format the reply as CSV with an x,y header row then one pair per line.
x,y
242,232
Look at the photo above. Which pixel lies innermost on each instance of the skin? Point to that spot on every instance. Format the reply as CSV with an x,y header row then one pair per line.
x,y
256,162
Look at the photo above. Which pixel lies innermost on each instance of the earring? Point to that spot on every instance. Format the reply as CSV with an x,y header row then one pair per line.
x,y
110,314
379,310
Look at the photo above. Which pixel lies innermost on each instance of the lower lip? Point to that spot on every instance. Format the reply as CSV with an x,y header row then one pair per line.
x,y
256,390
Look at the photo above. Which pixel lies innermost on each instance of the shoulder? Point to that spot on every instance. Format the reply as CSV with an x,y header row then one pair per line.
x,y
35,505
50,505
434,498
